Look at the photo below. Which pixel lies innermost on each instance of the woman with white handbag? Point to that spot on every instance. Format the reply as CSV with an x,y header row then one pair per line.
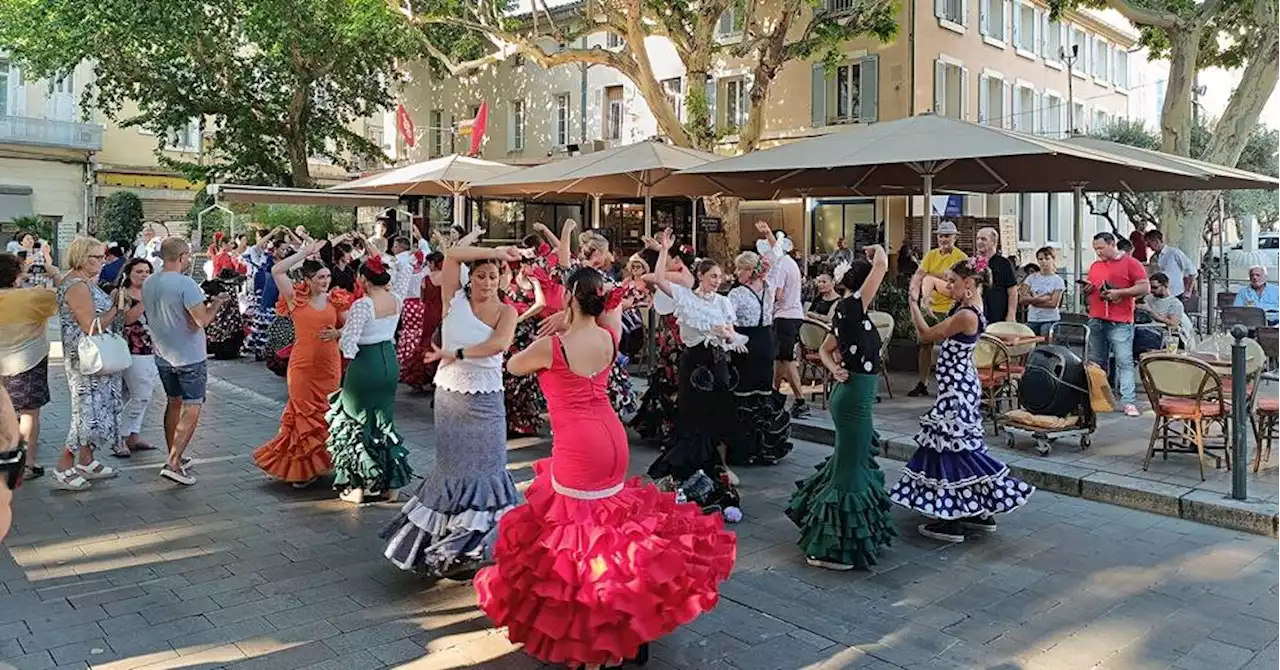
x,y
94,358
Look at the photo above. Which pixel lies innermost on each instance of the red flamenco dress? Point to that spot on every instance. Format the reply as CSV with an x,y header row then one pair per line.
x,y
592,567
414,372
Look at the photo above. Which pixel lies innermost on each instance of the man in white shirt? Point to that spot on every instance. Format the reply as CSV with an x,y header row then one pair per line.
x,y
788,313
1174,263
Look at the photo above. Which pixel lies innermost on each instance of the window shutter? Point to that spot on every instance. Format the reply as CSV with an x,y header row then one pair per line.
x,y
939,8
1017,111
984,100
1017,26
1037,42
818,97
984,16
1062,40
1090,67
869,89
1006,105
1037,119
939,88
964,13
711,101
964,93
1042,26
18,89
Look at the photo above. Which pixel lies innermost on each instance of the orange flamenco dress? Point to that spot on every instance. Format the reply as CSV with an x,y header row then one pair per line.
x,y
593,567
299,452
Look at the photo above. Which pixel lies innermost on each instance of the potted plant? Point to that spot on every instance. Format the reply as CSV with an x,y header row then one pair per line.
x,y
903,350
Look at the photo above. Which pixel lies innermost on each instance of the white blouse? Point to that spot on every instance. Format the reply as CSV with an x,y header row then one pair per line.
x,y
750,309
365,327
462,328
698,315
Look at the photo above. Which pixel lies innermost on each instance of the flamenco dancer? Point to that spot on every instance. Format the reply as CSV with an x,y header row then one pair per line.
x,y
657,416
406,284
369,458
706,420
593,568
259,305
524,400
225,334
297,453
842,509
448,527
762,418
951,478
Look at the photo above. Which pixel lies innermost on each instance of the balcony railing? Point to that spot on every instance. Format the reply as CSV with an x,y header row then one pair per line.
x,y
836,6
49,133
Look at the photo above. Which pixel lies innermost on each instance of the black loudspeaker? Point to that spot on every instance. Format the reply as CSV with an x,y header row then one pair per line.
x,y
1054,383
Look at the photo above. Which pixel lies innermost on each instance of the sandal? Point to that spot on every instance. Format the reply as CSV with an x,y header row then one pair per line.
x,y
138,445
33,472
121,451
70,480
96,470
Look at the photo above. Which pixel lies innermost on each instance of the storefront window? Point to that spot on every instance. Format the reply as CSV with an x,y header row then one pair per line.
x,y
854,221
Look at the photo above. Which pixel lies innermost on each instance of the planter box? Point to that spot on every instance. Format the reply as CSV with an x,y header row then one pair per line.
x,y
904,356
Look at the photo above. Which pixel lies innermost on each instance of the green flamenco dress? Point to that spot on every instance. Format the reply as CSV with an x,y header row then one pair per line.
x,y
368,453
842,510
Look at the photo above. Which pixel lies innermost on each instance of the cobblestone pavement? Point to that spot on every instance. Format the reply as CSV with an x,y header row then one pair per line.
x,y
240,572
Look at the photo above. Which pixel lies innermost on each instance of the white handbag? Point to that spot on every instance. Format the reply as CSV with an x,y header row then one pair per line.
x,y
103,353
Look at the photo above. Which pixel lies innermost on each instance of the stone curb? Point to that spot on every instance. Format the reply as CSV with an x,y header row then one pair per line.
x,y
1208,507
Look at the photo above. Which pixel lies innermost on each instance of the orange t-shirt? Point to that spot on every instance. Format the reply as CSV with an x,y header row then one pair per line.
x,y
1122,272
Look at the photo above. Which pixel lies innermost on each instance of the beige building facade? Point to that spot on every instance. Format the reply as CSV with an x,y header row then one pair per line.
x,y
999,62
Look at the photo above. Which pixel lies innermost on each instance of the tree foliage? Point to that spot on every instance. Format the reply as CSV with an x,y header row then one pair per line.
x,y
275,81
121,217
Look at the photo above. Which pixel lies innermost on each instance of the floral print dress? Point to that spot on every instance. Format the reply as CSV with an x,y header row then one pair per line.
x,y
95,399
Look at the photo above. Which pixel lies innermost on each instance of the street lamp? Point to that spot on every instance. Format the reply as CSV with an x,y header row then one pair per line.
x,y
1070,60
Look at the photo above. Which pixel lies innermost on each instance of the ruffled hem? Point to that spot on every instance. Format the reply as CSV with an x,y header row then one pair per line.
x,y
766,426
847,527
373,460
977,494
955,429
589,581
298,452
450,525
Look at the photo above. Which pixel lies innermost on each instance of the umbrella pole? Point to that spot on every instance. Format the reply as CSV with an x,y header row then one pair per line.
x,y
927,218
1077,234
459,210
693,221
648,215
595,211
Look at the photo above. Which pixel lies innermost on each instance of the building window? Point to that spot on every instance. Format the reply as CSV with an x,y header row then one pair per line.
x,y
991,101
1100,120
992,19
1025,213
562,119
1052,38
186,138
950,86
848,82
435,146
6,106
730,23
1120,73
1051,217
1080,64
735,104
853,221
515,135
1024,28
951,10
1080,121
1051,117
1101,60
674,89
613,113
1024,109
614,40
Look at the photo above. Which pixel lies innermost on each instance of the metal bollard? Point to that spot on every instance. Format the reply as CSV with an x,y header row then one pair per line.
x,y
1240,415
651,344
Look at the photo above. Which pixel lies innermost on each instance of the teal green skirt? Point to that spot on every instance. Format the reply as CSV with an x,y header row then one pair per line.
x,y
842,510
368,453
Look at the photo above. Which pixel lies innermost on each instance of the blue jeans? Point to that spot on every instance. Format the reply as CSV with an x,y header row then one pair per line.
x,y
1112,340
1040,328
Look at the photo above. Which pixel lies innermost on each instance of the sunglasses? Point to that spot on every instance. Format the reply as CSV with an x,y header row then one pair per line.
x,y
11,465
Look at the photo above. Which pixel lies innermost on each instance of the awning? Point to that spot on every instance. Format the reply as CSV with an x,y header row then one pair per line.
x,y
448,175
272,195
15,202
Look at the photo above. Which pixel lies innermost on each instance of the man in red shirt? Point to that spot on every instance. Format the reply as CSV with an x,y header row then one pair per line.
x,y
1114,283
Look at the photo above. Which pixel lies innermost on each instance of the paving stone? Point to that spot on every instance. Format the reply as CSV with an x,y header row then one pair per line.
x,y
303,656
1215,655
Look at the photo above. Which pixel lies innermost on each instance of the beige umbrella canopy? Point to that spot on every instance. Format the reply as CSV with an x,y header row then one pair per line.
x,y
448,175
1218,177
629,171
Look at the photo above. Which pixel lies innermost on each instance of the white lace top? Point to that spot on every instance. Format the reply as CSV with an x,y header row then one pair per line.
x,y
365,327
748,306
462,328
698,315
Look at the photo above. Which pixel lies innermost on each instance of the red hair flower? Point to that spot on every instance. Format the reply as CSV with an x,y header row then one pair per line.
x,y
341,299
419,257
614,299
375,264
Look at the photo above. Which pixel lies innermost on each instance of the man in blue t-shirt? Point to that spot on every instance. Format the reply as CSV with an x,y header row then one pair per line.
x,y
177,313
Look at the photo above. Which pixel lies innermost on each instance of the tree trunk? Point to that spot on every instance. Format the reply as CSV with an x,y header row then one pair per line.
x,y
1176,121
655,97
723,246
295,137
699,124
1230,136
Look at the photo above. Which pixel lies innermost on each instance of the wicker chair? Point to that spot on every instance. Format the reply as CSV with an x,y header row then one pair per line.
x,y
883,321
812,334
1187,396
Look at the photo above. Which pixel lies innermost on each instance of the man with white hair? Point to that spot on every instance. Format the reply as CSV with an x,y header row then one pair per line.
x,y
1260,294
1000,299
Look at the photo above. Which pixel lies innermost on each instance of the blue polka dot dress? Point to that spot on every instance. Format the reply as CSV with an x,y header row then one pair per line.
x,y
951,476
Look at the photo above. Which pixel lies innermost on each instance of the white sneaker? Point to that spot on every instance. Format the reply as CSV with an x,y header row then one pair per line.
x,y
180,475
353,496
829,565
70,480
95,469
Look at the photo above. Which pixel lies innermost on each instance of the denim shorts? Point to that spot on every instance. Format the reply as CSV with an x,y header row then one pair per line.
x,y
184,381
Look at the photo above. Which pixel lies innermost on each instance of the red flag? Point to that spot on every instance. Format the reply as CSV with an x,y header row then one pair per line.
x,y
478,128
405,125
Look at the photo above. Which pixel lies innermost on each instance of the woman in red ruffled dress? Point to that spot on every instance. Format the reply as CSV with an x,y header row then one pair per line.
x,y
592,569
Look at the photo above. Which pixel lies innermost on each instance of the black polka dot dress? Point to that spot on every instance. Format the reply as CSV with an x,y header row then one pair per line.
x,y
951,476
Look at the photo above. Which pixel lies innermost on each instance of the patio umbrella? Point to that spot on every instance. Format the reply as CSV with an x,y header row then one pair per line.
x,y
919,154
1220,177
448,175
641,170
